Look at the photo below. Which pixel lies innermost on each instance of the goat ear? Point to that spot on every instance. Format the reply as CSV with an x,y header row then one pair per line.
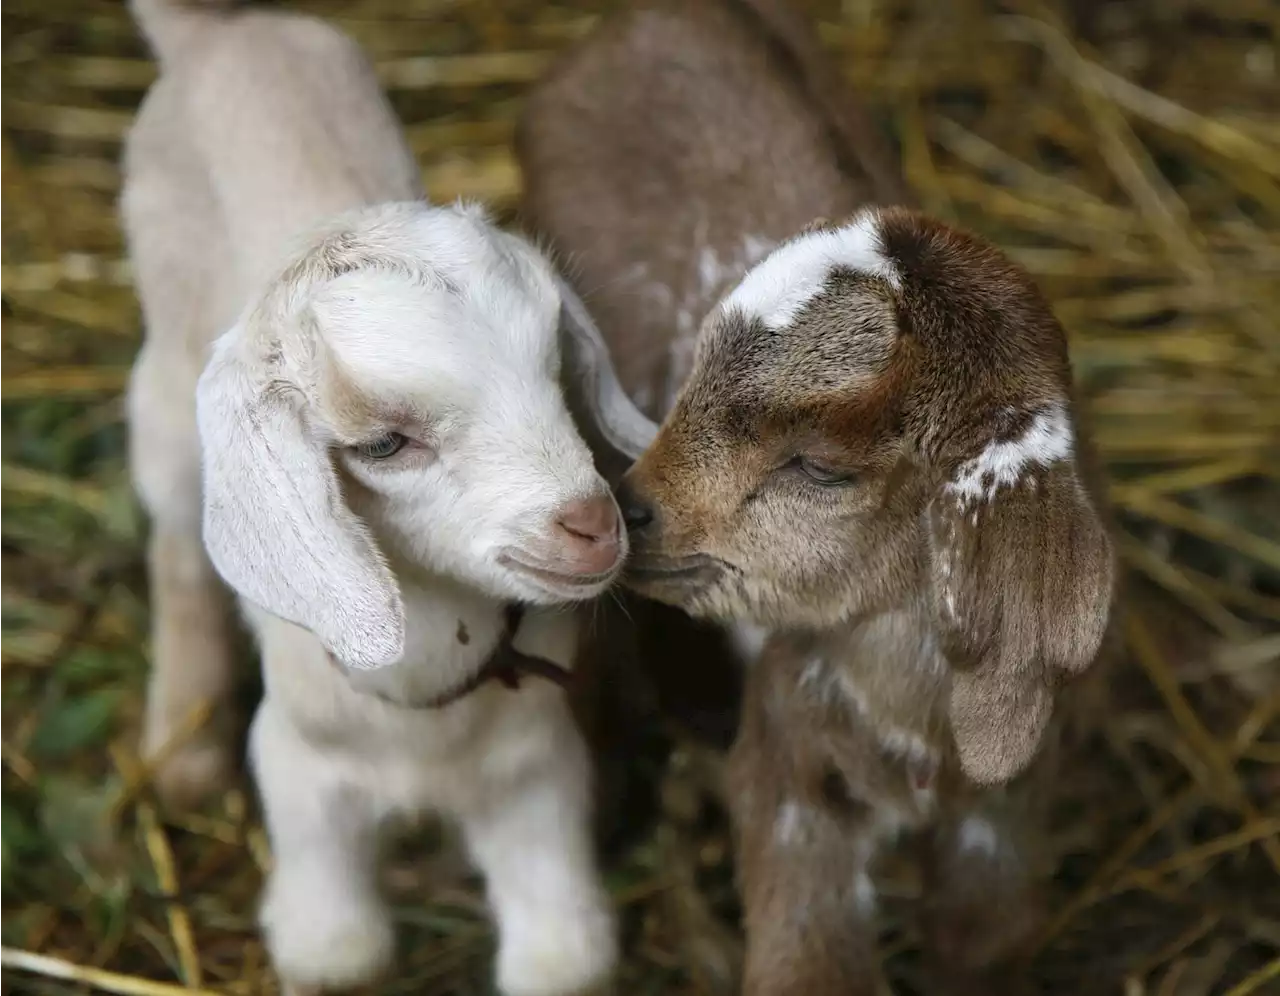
x,y
612,414
1023,575
275,522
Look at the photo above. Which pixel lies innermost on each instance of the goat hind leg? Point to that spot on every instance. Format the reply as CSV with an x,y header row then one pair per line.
x,y
192,645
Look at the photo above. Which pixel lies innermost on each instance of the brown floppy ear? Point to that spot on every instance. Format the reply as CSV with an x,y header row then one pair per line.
x,y
1023,574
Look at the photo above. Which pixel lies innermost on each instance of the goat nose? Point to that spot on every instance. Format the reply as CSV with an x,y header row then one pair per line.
x,y
589,535
635,513
593,519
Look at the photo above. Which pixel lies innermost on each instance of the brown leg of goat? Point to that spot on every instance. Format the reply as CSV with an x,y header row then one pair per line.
x,y
981,906
808,905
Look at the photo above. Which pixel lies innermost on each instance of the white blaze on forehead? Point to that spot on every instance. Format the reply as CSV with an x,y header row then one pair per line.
x,y
1046,441
778,289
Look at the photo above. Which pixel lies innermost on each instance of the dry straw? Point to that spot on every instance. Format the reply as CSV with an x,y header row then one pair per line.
x,y
1136,174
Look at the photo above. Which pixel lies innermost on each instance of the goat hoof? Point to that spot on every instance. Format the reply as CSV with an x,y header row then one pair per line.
x,y
567,955
315,949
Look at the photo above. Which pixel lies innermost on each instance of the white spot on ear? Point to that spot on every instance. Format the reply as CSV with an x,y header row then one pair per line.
x,y
748,640
978,835
864,894
1047,440
795,273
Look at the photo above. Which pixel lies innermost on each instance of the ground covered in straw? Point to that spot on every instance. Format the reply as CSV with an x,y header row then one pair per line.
x,y
1136,174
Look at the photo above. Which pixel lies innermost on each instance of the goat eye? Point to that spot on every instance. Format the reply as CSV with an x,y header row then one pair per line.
x,y
822,474
382,447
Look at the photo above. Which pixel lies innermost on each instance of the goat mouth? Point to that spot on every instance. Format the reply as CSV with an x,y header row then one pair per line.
x,y
554,578
672,570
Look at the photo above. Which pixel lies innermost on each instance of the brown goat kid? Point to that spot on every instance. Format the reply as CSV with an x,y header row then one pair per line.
x,y
870,450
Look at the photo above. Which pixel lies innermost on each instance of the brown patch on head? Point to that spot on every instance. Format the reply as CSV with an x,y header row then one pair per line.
x,y
865,436
463,636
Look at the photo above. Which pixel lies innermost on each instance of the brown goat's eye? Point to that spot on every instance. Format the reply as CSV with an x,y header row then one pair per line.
x,y
820,473
382,447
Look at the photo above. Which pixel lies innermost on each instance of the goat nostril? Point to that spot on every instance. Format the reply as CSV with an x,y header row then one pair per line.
x,y
636,516
635,513
593,519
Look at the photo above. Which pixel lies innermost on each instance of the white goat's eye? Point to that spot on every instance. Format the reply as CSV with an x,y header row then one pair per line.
x,y
383,446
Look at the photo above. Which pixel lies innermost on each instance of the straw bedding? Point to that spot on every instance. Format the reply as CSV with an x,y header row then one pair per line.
x,y
1127,152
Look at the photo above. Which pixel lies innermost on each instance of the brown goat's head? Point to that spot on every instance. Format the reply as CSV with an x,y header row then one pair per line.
x,y
882,410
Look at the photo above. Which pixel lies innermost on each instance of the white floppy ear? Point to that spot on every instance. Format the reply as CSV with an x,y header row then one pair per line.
x,y
275,522
615,417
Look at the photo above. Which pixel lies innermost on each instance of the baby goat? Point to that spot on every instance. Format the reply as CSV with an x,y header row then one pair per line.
x,y
870,449
712,197
389,469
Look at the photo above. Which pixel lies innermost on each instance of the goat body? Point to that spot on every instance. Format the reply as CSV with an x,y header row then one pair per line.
x,y
870,450
385,461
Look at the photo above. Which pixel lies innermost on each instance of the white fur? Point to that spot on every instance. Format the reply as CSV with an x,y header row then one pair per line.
x,y
864,894
408,329
1046,441
790,826
748,640
267,179
779,287
978,835
333,763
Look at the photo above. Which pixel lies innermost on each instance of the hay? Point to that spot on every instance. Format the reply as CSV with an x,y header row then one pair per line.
x,y
1137,177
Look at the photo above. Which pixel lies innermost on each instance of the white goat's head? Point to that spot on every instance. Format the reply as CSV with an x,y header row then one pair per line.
x,y
393,401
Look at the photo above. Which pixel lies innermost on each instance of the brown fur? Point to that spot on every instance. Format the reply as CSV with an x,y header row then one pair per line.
x,y
921,634
920,641
732,106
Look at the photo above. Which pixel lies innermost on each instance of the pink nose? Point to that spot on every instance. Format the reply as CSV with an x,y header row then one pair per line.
x,y
588,533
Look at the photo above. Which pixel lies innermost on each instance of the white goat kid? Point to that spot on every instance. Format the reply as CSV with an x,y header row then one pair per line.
x,y
387,465
364,483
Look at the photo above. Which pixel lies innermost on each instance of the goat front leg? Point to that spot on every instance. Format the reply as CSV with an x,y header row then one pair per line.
x,y
326,925
981,905
530,834
808,902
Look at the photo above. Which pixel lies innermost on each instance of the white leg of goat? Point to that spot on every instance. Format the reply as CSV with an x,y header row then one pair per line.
x,y
325,923
179,252
191,629
532,840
